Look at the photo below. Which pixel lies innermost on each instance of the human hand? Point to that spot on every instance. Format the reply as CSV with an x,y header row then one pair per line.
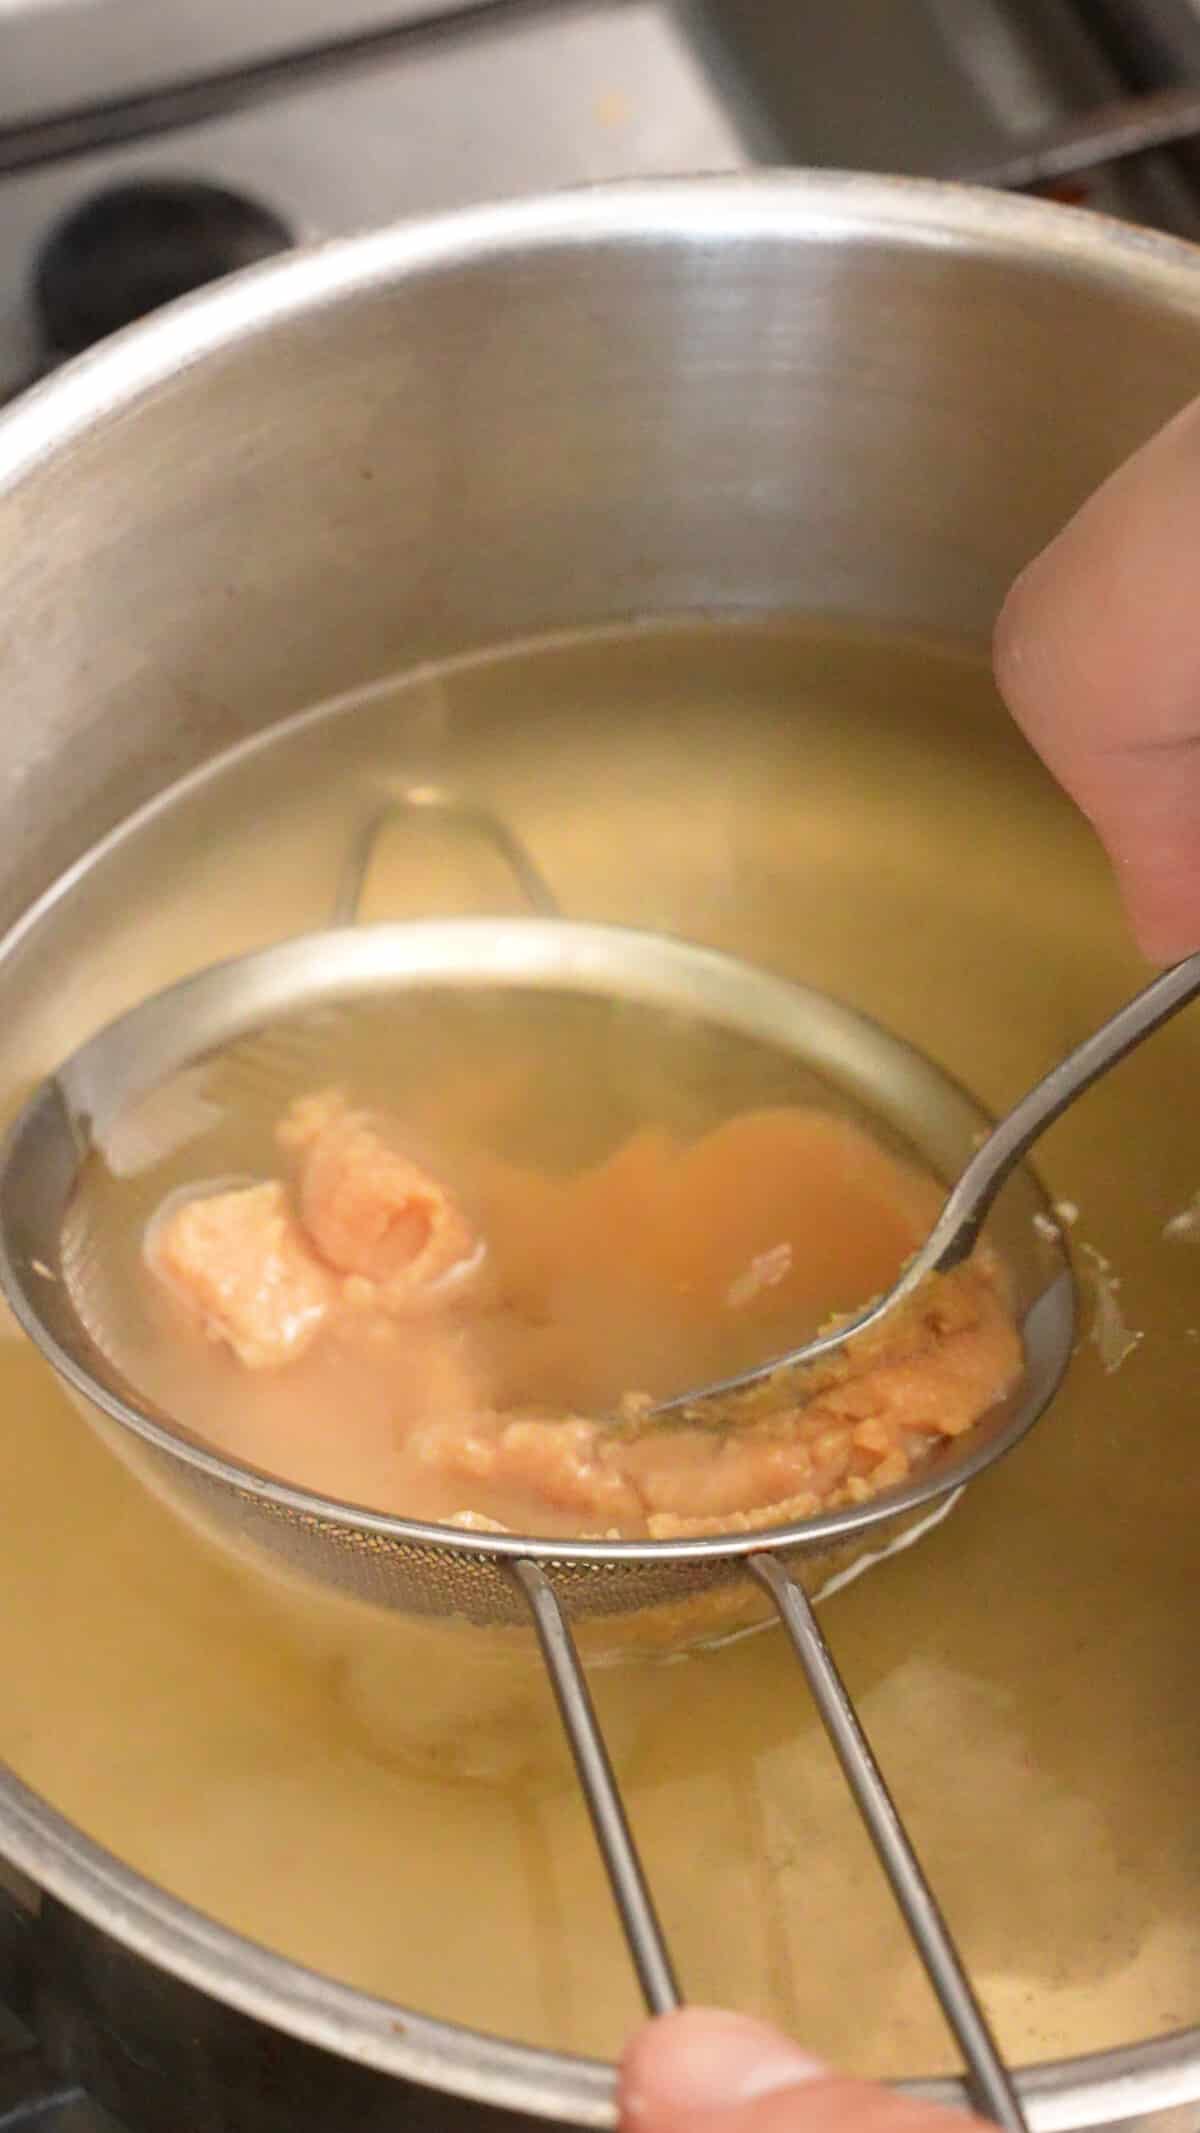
x,y
1097,655
707,2072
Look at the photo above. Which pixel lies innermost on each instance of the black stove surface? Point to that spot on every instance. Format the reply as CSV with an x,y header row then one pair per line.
x,y
94,2039
32,2096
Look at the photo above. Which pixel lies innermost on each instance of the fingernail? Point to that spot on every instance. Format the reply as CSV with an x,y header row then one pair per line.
x,y
708,2061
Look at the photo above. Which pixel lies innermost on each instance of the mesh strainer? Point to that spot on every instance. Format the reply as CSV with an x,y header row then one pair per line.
x,y
280,1013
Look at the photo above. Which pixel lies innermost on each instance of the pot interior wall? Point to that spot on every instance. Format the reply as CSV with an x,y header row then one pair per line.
x,y
849,401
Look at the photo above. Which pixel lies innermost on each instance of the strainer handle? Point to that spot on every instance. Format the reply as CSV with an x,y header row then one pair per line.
x,y
420,803
644,1934
991,2085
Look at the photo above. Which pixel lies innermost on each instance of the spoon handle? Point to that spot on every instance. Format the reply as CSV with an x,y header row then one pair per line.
x,y
962,1218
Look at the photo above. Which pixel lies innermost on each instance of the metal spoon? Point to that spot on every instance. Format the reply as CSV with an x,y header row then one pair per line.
x,y
956,1231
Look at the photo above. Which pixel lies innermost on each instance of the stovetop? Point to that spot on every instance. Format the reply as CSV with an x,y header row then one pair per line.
x,y
318,117
32,2095
95,2039
329,119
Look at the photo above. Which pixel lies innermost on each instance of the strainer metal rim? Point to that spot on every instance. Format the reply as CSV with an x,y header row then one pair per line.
x,y
550,953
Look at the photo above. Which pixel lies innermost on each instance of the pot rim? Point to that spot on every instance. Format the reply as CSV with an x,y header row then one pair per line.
x,y
1103,2088
921,213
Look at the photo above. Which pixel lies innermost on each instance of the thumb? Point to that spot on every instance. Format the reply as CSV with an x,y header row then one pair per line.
x,y
1098,656
707,2072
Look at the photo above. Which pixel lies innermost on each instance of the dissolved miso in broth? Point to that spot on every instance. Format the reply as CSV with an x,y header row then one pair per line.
x,y
388,1801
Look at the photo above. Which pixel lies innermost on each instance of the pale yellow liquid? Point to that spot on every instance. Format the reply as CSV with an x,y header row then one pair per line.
x,y
389,1804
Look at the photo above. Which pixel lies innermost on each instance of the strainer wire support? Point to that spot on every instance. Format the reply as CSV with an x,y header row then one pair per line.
x,y
429,802
990,2083
644,1934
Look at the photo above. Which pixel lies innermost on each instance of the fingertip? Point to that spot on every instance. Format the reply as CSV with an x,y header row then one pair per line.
x,y
1157,863
1036,658
1107,689
1164,935
704,2060
1010,636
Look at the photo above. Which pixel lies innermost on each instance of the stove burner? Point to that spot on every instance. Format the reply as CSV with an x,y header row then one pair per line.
x,y
131,248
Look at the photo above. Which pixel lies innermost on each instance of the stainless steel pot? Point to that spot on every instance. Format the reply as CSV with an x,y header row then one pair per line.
x,y
786,392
